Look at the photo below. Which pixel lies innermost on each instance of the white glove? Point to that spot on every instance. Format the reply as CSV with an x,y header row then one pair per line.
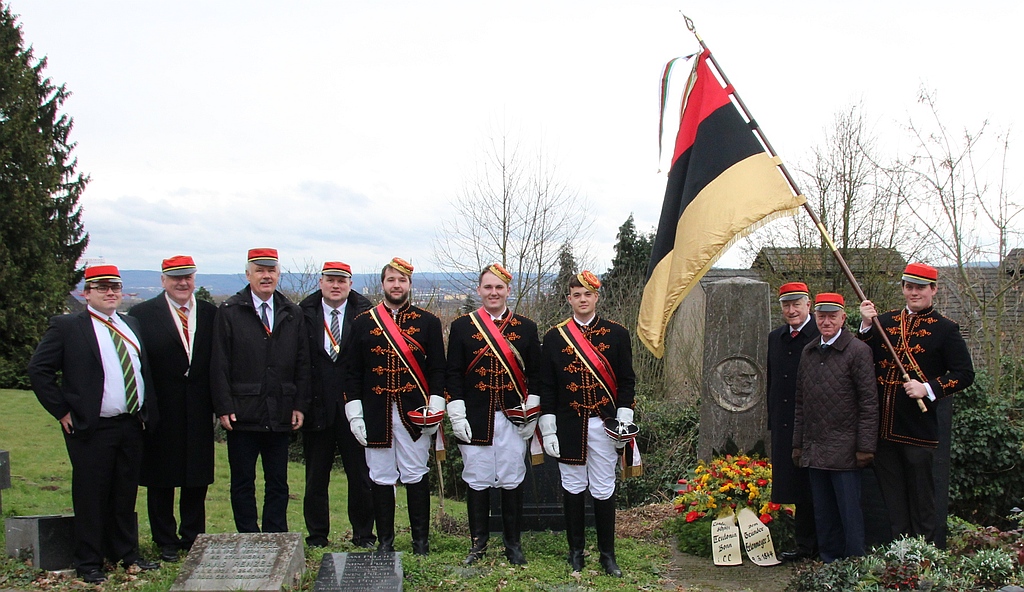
x,y
460,425
548,436
624,415
436,404
527,430
354,413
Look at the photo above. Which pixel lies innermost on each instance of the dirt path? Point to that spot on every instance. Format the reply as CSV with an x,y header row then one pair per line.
x,y
697,574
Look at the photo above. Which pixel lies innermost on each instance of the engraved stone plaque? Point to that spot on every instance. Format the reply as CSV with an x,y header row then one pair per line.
x,y
359,572
260,561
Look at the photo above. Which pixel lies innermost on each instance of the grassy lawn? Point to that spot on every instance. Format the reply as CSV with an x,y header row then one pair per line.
x,y
41,484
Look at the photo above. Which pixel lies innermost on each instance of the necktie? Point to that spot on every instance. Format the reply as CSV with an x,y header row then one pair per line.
x,y
183,316
794,333
131,389
336,333
263,316
824,346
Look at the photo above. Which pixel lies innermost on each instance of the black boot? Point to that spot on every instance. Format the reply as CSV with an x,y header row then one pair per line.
x,y
604,517
512,524
572,507
384,516
478,507
418,496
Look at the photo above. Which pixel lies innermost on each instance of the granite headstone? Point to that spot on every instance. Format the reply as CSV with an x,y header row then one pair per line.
x,y
542,500
726,320
47,541
250,561
359,572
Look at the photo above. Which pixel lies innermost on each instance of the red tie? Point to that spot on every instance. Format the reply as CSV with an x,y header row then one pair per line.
x,y
794,333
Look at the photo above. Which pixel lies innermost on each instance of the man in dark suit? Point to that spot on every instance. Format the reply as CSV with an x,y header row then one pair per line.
x,y
785,344
329,313
103,406
177,331
259,381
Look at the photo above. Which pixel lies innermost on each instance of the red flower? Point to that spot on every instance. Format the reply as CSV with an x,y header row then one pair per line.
x,y
762,482
741,463
765,518
693,515
682,481
774,507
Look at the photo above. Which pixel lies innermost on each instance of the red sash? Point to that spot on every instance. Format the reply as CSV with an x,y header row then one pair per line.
x,y
501,348
912,364
400,343
591,358
114,328
334,342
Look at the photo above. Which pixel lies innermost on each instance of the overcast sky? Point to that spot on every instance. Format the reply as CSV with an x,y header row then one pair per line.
x,y
341,129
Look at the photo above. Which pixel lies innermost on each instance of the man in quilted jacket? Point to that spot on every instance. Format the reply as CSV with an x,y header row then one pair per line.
x,y
835,427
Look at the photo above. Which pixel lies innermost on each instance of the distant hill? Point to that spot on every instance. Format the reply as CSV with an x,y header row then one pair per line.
x,y
144,284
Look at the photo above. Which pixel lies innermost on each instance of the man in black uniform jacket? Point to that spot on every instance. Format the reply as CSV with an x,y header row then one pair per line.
x,y
329,313
394,386
586,377
789,482
493,360
177,331
935,355
260,384
103,404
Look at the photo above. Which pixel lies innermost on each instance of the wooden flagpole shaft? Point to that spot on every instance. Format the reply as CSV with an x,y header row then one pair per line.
x,y
814,217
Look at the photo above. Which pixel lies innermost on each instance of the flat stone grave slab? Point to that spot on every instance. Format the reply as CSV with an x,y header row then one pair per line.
x,y
359,572
257,561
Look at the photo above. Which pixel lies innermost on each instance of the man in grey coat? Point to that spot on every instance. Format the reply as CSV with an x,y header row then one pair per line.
x,y
835,427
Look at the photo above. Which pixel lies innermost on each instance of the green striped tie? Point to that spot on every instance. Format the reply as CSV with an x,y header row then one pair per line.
x,y
131,389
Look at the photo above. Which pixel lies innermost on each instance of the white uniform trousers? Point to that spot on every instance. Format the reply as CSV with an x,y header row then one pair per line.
x,y
599,472
405,460
502,464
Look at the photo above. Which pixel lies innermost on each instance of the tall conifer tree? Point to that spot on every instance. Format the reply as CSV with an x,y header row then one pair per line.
x,y
41,232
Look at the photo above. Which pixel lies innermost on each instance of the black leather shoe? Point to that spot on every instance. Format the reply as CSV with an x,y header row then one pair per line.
x,y
93,576
797,555
365,544
143,565
169,554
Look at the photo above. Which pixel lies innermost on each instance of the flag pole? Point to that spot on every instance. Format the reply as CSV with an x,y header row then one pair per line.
x,y
810,211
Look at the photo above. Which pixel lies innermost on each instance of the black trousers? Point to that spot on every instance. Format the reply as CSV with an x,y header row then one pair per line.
x,y
105,466
319,449
905,477
243,450
192,508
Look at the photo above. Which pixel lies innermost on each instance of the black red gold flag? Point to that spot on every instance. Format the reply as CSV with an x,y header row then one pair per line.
x,y
722,185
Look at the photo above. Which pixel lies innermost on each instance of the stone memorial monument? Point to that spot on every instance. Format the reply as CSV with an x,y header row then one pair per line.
x,y
258,561
716,350
360,572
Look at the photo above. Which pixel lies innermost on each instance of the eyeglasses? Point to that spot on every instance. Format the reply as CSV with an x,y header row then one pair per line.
x,y
104,288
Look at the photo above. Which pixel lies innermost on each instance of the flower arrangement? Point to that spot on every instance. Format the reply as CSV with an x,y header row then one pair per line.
x,y
726,484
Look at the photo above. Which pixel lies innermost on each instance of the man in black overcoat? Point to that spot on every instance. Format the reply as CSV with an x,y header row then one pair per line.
x,y
329,313
177,330
90,372
789,482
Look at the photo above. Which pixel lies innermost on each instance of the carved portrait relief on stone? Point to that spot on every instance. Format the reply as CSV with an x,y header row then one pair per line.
x,y
735,383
